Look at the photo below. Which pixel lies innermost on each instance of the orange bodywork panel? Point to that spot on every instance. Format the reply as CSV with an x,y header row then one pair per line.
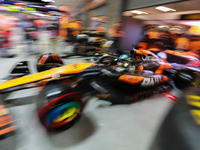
x,y
183,54
131,79
162,68
64,70
169,51
191,54
164,79
154,49
144,45
142,52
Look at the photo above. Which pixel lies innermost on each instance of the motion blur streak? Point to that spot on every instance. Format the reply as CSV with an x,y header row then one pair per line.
x,y
125,73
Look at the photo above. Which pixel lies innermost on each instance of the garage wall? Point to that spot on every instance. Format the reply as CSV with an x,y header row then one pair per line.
x,y
114,11
82,16
101,11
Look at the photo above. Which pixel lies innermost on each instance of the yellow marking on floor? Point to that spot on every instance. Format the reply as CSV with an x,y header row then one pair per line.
x,y
196,116
193,100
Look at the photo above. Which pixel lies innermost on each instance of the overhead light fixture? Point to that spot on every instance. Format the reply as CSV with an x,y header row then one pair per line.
x,y
165,9
138,12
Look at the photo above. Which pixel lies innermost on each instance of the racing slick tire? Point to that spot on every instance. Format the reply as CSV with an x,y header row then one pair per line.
x,y
59,107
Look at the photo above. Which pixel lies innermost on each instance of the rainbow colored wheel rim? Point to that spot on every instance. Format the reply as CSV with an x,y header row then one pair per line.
x,y
63,114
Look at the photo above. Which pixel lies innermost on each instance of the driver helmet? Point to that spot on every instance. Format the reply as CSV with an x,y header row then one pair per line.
x,y
122,61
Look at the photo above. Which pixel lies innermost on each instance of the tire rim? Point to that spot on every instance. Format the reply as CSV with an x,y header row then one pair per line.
x,y
64,113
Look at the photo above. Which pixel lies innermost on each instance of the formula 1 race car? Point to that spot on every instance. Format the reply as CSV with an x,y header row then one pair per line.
x,y
119,80
65,89
182,74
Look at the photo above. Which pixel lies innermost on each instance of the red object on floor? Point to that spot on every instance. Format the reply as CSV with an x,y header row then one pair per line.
x,y
170,96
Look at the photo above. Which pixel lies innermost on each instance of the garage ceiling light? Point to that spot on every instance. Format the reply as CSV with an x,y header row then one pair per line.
x,y
165,9
138,12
